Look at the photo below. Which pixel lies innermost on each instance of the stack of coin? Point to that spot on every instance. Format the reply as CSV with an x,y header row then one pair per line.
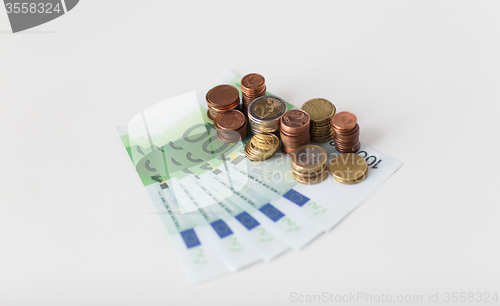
x,y
264,114
321,112
221,98
346,132
309,164
231,125
253,85
294,130
349,168
261,147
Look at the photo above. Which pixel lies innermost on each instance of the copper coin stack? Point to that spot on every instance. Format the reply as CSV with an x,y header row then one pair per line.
x,y
253,85
222,98
294,130
346,132
231,125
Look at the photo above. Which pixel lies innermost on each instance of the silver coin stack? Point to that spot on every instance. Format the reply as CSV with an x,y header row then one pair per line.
x,y
264,114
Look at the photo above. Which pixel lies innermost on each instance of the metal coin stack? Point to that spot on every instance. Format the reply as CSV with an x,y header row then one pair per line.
x,y
231,125
309,164
253,85
349,168
264,114
321,112
261,147
294,130
346,132
222,98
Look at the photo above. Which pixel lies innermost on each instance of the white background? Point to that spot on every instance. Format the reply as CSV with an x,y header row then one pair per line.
x,y
77,228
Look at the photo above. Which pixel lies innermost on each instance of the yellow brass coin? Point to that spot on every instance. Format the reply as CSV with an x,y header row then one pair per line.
x,y
310,174
309,157
354,181
311,181
349,168
261,147
265,142
316,168
319,109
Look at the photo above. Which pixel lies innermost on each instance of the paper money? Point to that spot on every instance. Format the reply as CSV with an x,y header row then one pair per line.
x,y
239,211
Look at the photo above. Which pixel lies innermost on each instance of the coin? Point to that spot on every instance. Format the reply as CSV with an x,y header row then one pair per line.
x,y
221,98
320,112
253,81
319,109
253,85
308,156
230,120
346,129
261,147
222,95
231,125
294,130
295,122
349,168
311,181
344,121
266,107
264,114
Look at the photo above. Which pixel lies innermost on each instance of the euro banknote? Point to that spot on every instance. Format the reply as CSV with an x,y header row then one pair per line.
x,y
237,211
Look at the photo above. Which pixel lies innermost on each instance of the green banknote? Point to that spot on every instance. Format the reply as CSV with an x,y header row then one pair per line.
x,y
229,203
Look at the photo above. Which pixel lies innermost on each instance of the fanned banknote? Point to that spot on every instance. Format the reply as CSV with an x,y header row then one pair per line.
x,y
222,211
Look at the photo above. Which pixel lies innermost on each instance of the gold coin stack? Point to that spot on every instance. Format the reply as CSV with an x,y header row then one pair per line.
x,y
321,112
222,98
309,164
264,114
261,147
253,85
349,168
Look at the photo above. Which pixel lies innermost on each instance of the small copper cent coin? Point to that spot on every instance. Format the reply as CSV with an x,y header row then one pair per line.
x,y
344,121
230,120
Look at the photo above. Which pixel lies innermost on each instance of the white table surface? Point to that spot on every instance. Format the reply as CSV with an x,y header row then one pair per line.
x,y
77,228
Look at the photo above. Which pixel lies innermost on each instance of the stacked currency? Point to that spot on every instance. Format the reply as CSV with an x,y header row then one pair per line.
x,y
346,132
294,130
253,85
222,212
231,125
349,168
222,98
264,114
321,112
309,164
261,147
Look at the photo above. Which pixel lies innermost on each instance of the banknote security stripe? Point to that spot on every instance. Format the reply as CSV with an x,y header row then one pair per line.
x,y
272,212
221,228
248,221
296,197
190,238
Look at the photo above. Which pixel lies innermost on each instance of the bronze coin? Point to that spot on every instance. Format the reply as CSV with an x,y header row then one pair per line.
x,y
350,133
295,121
222,95
344,121
253,81
230,120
